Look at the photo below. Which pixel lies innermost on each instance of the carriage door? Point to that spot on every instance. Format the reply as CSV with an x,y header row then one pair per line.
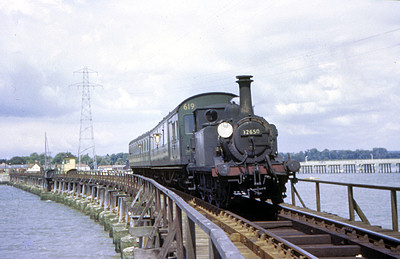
x,y
173,138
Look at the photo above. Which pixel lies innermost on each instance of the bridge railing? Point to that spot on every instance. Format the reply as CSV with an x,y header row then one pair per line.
x,y
167,210
352,204
351,166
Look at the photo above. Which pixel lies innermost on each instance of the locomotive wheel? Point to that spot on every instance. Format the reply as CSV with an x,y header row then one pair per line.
x,y
213,190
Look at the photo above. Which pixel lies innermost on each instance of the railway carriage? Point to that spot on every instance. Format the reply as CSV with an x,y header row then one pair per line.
x,y
215,148
166,149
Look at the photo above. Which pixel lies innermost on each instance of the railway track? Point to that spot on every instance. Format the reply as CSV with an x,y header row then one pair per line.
x,y
335,238
296,234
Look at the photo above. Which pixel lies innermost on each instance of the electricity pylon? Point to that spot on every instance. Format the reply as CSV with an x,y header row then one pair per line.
x,y
86,136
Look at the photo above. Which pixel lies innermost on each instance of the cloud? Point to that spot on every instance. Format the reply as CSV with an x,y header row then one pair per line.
x,y
25,93
325,73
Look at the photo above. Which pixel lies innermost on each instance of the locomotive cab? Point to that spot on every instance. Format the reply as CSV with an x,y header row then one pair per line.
x,y
208,116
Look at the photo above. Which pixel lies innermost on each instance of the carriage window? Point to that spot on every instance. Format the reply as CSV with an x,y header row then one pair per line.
x,y
189,123
163,136
173,131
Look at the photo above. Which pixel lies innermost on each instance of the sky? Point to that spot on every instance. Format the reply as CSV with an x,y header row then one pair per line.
x,y
326,73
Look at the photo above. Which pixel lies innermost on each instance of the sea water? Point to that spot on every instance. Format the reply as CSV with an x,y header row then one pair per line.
x,y
376,204
32,228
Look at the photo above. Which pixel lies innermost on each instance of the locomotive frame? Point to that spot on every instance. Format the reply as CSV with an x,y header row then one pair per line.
x,y
215,149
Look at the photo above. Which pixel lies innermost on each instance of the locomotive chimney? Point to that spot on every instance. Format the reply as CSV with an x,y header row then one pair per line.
x,y
246,106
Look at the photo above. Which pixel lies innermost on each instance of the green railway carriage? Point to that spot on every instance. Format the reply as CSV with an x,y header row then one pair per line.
x,y
167,146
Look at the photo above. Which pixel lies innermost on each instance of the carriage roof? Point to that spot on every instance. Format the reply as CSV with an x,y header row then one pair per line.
x,y
174,111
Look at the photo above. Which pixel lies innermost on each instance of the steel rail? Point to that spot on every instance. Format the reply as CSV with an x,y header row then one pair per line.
x,y
367,240
345,225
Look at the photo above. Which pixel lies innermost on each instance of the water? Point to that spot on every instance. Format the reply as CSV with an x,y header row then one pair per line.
x,y
31,228
376,204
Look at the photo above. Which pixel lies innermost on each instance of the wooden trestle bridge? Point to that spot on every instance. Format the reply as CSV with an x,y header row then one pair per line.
x,y
145,210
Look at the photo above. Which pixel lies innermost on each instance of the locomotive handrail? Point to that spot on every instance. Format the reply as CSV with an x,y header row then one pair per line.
x,y
353,206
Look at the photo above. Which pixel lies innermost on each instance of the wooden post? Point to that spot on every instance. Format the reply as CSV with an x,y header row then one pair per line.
x,y
351,203
179,237
190,238
164,210
122,209
395,216
213,252
55,185
107,199
293,194
83,190
170,214
318,196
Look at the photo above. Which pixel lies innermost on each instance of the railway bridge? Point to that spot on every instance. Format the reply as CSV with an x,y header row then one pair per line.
x,y
147,220
351,166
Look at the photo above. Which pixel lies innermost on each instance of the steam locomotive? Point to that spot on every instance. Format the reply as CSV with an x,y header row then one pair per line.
x,y
216,149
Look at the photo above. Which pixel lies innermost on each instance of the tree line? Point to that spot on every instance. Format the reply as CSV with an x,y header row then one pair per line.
x,y
324,155
113,159
121,158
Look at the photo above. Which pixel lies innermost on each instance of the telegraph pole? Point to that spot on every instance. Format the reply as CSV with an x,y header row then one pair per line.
x,y
46,150
86,136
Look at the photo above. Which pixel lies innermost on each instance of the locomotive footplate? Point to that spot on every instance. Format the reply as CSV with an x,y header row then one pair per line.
x,y
239,170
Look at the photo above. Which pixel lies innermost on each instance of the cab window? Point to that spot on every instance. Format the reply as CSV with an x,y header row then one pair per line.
x,y
188,121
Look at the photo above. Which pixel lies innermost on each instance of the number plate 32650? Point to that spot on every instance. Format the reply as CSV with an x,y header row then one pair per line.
x,y
251,132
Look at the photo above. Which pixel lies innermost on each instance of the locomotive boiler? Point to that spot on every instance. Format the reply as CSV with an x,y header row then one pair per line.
x,y
216,149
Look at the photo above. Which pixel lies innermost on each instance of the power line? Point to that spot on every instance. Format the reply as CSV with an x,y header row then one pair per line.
x,y
321,51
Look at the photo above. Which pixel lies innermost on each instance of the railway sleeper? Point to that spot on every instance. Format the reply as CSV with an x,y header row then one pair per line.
x,y
318,244
309,239
341,239
274,224
329,250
